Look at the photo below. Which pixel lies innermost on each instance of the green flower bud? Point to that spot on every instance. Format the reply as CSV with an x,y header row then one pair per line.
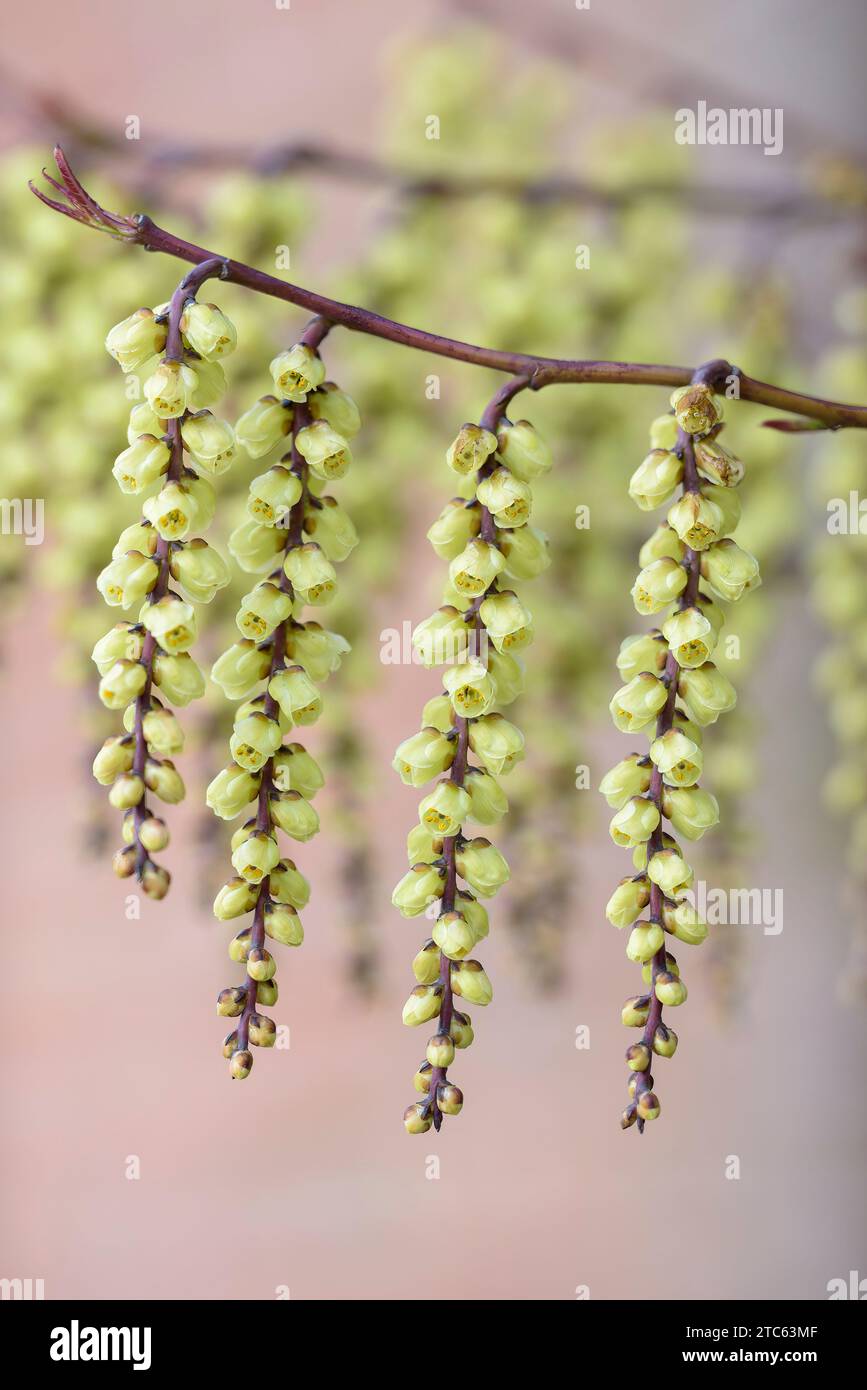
x,y
423,756
122,682
523,451
638,1057
470,688
691,810
127,579
678,758
657,585
241,1065
634,823
297,372
310,573
663,432
637,704
441,638
261,965
172,512
526,552
261,428
683,921
234,899
240,668
123,862
508,624
475,569
691,636
655,479
263,610
460,1030
153,834
114,757
644,941
664,542
507,498
482,866
697,520
262,1030
487,800
471,449
422,1005
316,649
136,339
326,523
471,983
267,992
714,463
294,770
730,571
440,1051
273,495
337,408
164,780
648,1106
418,888
627,902
644,651
707,693
669,989
137,467
288,885
635,1011
169,389
629,1116
326,452
457,524
155,880
296,695
453,935
283,924
172,622
426,964
254,738
497,744
231,791
255,547
664,1041
450,1099
200,569
670,872
127,790
178,677
696,408
445,809
256,856
210,441
507,673
417,1119
294,816
208,331
628,778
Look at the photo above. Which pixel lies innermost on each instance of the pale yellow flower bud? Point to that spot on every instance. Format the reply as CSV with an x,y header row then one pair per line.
x,y
162,731
644,941
210,441
240,668
454,936
476,568
261,965
172,622
114,757
294,770
678,758
707,693
296,695
482,866
637,704
507,621
716,464
634,823
256,856
261,428
628,778
691,636
697,520
728,503
297,371
526,552
142,420
283,924
164,780
127,790
316,649
241,1064
422,1005
273,495
730,571
523,451
655,479
488,801
420,886
445,809
255,547
169,389
696,408
231,791
426,964
423,847
471,983
691,810
471,449
457,524
200,569
638,1057
121,642
662,543
663,432
122,682
311,574
326,523
441,638
669,989
635,1011
423,756
208,385
647,1106
440,1051
507,673
437,713
657,585
208,331
627,902
263,610
684,922
294,815
328,402
470,688
153,834
507,498
178,677
417,1119
146,459
254,739
664,1041
670,872
644,651
235,899
497,744
288,885
136,339
139,536
127,579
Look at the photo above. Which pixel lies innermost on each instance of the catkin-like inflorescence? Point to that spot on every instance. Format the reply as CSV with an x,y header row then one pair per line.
x,y
293,536
161,566
466,744
672,690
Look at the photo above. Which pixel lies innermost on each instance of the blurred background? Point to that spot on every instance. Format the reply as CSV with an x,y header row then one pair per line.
x,y
305,128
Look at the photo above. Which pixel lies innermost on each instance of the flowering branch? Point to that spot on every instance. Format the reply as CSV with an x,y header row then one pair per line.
x,y
140,230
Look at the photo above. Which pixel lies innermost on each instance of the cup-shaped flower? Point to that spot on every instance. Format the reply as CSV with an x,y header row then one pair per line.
x,y
297,371
661,543
311,573
178,677
642,651
498,744
729,571
172,621
121,641
507,498
294,815
474,570
329,402
482,866
691,810
523,450
445,809
283,924
507,622
235,899
453,935
422,1005
655,479
296,694
678,757
455,527
199,569
420,886
471,448
691,636
136,339
636,704
488,802
255,547
442,638
697,520
254,739
670,872
326,452
138,466
261,428
326,523
240,668
273,494
644,941
208,331
127,579
423,756
470,688
294,770
526,552
231,791
684,922
471,983
255,856
628,778
658,584
716,464
263,610
635,822
122,682
169,388
210,441
288,885
114,757
628,901
706,693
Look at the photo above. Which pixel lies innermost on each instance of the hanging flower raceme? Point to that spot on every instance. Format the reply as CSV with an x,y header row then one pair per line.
x,y
175,447
294,535
466,744
671,691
